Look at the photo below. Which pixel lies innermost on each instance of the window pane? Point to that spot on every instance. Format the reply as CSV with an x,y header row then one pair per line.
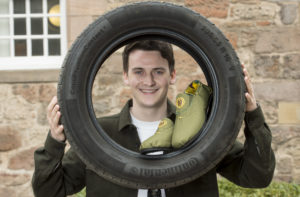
x,y
20,26
36,6
19,6
53,25
53,21
4,48
4,26
20,48
36,26
51,4
37,47
4,9
54,46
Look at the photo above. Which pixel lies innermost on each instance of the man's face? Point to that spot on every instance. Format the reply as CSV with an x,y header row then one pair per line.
x,y
149,78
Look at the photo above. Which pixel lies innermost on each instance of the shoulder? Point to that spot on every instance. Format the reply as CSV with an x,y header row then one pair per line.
x,y
73,159
109,121
111,118
236,152
116,122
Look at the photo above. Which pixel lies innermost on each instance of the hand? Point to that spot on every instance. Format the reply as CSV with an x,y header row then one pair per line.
x,y
53,116
250,98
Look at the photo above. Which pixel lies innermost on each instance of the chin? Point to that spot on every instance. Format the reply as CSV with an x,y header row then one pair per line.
x,y
147,104
152,103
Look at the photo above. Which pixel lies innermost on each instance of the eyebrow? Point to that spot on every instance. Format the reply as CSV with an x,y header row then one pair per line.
x,y
157,68
160,68
137,68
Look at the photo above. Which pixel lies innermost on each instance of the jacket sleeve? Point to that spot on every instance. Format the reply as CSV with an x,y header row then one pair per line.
x,y
252,164
57,174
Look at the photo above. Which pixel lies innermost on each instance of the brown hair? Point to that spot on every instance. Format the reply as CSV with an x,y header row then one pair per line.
x,y
165,49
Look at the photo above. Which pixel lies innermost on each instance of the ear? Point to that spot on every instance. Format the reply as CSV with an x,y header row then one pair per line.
x,y
125,78
173,77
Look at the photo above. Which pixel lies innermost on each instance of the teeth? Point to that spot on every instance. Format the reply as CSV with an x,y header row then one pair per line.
x,y
148,91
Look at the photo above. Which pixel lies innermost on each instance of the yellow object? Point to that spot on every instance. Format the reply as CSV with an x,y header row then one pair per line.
x,y
180,102
190,116
161,140
162,123
54,20
192,88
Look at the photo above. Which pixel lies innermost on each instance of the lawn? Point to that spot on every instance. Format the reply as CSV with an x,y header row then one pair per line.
x,y
228,189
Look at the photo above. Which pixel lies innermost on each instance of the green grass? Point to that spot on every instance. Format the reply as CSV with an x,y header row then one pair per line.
x,y
81,193
228,189
275,189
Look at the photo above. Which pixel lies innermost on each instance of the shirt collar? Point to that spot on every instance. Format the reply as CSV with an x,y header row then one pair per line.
x,y
125,119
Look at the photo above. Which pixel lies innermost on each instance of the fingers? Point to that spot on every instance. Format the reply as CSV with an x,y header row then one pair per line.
x,y
61,135
249,86
251,101
53,116
56,117
54,112
247,80
57,131
243,66
55,123
249,98
50,107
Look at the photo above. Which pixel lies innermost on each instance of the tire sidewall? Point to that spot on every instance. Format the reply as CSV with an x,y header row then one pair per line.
x,y
128,169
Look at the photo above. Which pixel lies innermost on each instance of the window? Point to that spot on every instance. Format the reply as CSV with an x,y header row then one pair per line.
x,y
32,34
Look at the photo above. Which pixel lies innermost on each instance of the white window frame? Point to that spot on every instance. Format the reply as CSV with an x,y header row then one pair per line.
x,y
30,62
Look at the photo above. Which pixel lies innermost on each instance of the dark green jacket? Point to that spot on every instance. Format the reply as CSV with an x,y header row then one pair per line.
x,y
249,165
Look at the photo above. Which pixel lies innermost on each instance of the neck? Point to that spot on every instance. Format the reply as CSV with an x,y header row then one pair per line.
x,y
149,114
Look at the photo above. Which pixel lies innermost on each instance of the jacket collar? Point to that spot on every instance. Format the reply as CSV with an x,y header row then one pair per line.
x,y
125,118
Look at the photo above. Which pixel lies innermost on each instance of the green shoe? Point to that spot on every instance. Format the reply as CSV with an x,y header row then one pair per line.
x,y
161,140
191,109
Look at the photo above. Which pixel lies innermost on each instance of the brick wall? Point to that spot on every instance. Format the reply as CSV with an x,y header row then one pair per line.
x,y
264,33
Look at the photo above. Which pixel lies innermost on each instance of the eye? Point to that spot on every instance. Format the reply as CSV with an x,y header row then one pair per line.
x,y
138,72
159,72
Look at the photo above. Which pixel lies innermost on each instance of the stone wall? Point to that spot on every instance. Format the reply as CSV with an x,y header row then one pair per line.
x,y
264,33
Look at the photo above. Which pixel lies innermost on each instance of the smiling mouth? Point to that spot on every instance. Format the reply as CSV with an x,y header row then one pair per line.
x,y
148,91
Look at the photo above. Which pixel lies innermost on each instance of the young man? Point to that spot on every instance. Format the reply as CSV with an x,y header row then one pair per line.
x,y
149,70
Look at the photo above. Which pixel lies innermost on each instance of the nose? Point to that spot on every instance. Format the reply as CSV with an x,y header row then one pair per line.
x,y
149,80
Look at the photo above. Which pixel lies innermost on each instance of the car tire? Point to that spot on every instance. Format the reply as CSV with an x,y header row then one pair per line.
x,y
189,31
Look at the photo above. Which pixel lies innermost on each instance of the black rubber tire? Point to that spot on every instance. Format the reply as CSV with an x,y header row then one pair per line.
x,y
191,32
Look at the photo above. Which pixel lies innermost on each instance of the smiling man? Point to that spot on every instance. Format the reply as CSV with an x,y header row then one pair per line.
x,y
149,71
149,75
